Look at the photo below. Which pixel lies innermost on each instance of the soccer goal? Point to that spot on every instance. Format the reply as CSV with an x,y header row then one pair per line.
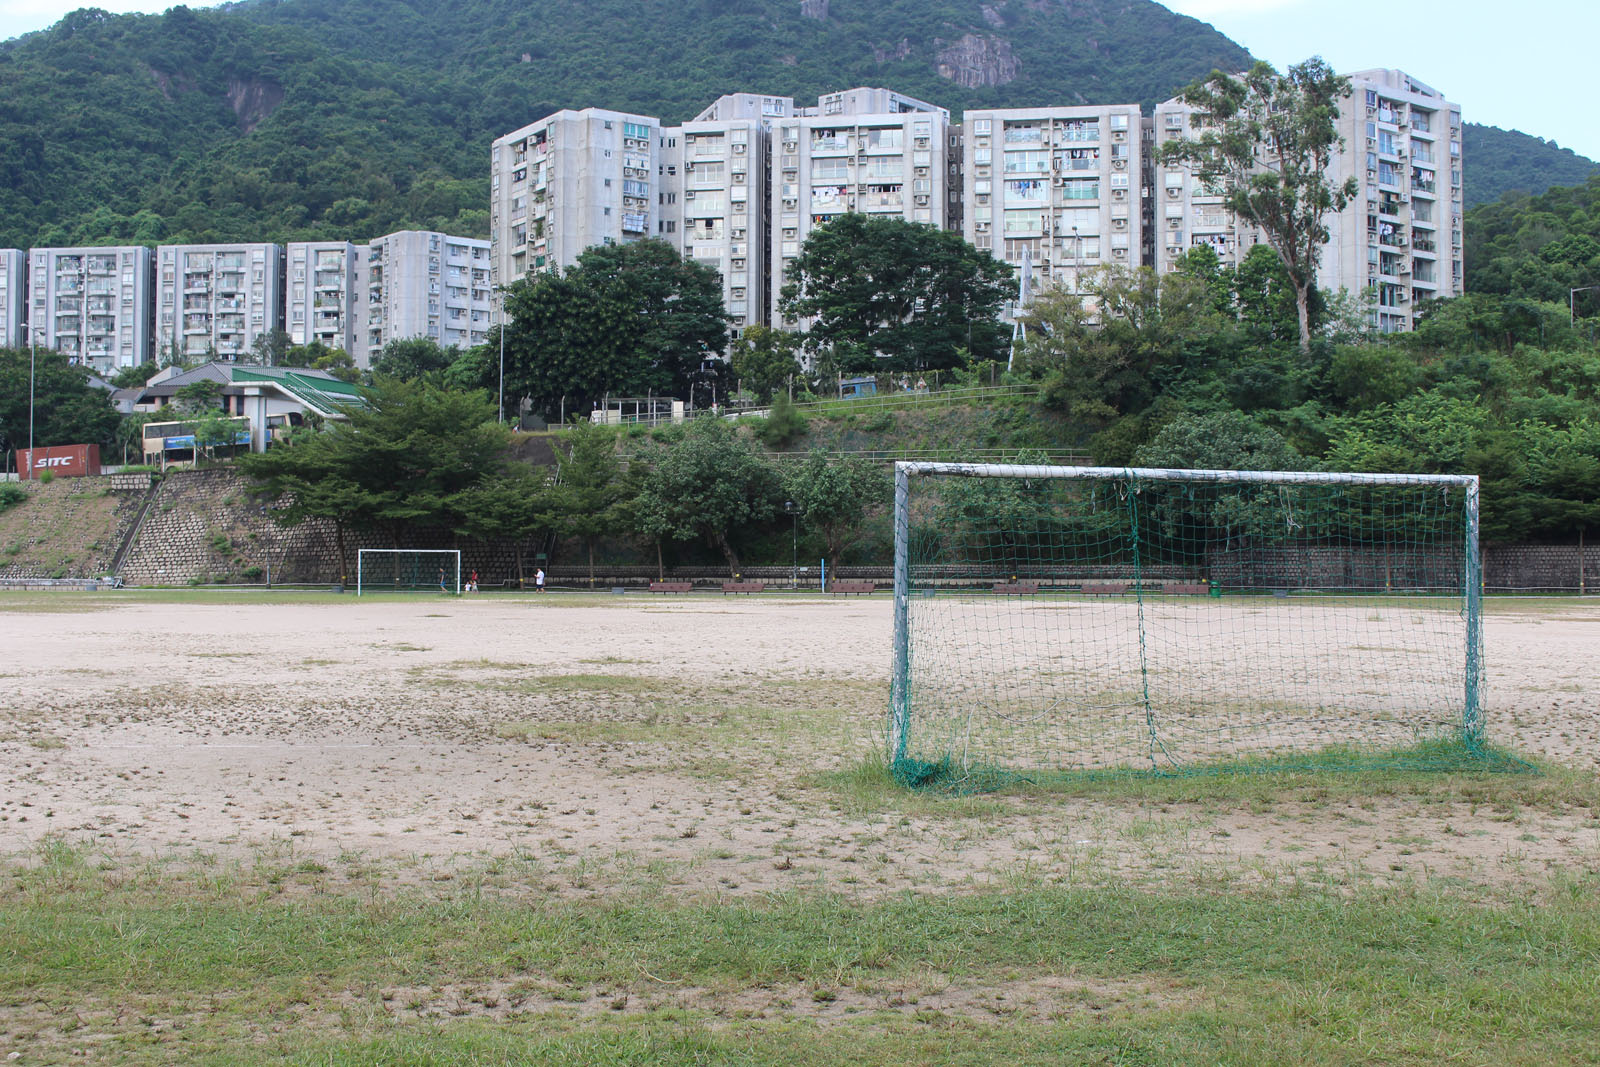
x,y
408,570
1052,620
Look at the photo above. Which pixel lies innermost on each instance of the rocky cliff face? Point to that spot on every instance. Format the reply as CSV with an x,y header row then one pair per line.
x,y
252,100
977,61
814,9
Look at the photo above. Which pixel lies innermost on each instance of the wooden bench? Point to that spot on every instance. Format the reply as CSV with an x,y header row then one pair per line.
x,y
1112,589
1016,588
1186,588
671,587
742,587
840,588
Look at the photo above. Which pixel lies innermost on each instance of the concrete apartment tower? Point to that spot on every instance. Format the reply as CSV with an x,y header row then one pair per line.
x,y
1057,188
214,301
13,297
713,192
320,293
865,150
93,304
1399,240
418,283
569,181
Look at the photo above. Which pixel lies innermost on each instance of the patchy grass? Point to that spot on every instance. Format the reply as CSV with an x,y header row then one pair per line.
x,y
309,966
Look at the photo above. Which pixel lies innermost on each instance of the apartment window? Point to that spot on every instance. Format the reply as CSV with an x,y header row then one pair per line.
x,y
980,126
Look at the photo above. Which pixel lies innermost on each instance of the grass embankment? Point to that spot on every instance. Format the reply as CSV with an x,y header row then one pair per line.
x,y
306,965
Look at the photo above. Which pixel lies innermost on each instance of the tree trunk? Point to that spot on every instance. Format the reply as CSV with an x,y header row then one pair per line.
x,y
661,571
338,535
591,563
720,541
1302,310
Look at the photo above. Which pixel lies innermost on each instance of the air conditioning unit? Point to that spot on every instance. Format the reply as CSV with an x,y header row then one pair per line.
x,y
1119,164
688,194
1172,224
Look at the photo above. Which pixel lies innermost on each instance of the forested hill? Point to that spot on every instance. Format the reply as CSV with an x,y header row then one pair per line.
x,y
291,119
1500,161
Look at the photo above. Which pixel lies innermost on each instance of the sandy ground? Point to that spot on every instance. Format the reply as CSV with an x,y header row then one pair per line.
x,y
683,744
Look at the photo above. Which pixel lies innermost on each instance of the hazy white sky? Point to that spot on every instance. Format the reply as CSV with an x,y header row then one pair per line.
x,y
1526,66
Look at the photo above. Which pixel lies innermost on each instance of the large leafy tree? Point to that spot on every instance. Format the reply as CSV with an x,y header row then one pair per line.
x,y
67,410
834,496
624,320
1266,139
914,294
590,495
413,357
402,459
763,360
705,485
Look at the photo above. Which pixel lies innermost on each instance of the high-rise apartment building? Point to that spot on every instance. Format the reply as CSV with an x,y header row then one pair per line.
x,y
863,150
13,297
712,175
1399,239
93,305
417,283
569,181
1057,188
213,301
320,294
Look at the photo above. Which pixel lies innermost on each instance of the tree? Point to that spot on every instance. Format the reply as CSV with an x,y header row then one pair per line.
x,y
910,292
401,459
1266,141
133,376
763,360
1224,440
507,505
834,496
706,484
413,357
66,409
590,494
624,320
271,348
1097,370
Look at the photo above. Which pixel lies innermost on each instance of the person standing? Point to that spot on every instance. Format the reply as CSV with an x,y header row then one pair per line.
x,y
538,580
472,582
442,587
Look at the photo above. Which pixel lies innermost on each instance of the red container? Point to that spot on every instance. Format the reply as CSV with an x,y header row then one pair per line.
x,y
63,461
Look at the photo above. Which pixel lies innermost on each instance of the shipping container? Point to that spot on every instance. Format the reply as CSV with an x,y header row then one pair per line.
x,y
63,461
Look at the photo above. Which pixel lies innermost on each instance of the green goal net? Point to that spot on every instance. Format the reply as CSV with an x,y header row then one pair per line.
x,y
1066,620
408,570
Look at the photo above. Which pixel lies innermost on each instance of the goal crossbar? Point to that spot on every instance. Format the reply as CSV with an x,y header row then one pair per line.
x,y
900,724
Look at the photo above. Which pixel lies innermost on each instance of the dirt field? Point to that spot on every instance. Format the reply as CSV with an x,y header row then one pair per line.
x,y
700,744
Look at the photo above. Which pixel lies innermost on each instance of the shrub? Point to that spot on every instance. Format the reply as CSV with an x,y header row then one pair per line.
x,y
11,495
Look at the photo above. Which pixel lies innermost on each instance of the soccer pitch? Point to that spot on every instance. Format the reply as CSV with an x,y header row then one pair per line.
x,y
244,827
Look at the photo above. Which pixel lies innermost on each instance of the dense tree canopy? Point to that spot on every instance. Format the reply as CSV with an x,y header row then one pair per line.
x,y
625,320
66,409
916,296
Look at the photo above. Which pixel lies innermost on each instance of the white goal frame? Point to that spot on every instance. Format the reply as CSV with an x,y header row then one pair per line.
x,y
900,699
452,573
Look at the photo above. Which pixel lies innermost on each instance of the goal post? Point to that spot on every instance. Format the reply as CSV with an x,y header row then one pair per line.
x,y
408,570
1051,620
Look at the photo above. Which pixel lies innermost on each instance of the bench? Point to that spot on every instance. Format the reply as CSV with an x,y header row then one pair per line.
x,y
1186,588
1113,589
742,587
1016,588
671,587
838,587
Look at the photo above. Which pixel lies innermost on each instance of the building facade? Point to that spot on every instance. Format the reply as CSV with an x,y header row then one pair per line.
x,y
1396,244
418,283
1057,189
93,305
713,174
863,150
320,293
13,297
215,301
572,180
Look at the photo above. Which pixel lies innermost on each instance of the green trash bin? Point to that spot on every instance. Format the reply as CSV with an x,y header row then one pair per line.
x,y
1216,588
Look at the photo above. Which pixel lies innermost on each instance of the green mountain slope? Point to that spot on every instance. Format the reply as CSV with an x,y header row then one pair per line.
x,y
286,119
323,118
1499,161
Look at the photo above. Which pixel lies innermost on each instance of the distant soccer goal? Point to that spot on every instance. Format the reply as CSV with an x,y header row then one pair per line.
x,y
1052,620
408,570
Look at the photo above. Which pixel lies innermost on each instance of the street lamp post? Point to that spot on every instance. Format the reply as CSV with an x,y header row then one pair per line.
x,y
502,372
1572,303
791,509
33,355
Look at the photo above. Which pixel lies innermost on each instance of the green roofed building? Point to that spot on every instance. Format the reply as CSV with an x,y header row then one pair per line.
x,y
273,400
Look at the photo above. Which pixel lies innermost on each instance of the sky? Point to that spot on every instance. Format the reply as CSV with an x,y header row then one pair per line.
x,y
1527,66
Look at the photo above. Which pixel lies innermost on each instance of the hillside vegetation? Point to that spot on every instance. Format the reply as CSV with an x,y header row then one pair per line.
x,y
305,119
